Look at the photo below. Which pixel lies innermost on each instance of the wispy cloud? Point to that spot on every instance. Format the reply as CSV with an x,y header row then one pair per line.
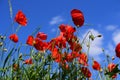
x,y
113,39
110,49
111,27
56,20
95,46
116,37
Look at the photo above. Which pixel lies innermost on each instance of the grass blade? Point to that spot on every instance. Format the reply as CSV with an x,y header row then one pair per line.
x,y
8,56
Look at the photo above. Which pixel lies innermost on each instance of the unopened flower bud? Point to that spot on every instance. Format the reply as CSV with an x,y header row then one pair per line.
x,y
5,50
107,56
88,44
91,37
99,35
101,70
1,37
113,58
103,50
20,56
1,43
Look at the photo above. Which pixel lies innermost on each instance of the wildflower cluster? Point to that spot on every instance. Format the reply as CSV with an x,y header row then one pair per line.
x,y
65,50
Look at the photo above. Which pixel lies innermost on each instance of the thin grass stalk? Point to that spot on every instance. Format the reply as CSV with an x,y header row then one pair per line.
x,y
100,75
10,8
18,28
85,37
49,72
11,16
88,45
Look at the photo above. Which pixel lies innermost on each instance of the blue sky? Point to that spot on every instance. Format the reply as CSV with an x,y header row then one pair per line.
x,y
103,15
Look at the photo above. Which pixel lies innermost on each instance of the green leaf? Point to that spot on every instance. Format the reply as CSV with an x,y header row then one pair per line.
x,y
8,56
54,76
27,74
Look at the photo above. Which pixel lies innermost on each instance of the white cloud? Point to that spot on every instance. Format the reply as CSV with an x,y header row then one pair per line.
x,y
56,20
95,46
111,27
116,37
110,50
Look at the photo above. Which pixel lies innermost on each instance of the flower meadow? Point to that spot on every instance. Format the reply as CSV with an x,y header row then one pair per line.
x,y
61,58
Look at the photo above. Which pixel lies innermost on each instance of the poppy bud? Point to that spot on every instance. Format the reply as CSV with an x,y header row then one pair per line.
x,y
77,17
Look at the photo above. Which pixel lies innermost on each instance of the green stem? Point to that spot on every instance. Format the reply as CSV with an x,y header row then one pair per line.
x,y
11,14
88,48
100,76
18,28
49,63
86,36
10,8
49,71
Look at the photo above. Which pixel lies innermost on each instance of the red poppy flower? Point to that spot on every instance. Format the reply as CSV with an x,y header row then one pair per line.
x,y
65,66
60,41
77,17
51,44
62,27
42,36
28,61
30,40
40,45
75,47
71,40
67,29
14,38
70,29
20,18
59,58
111,66
117,50
83,59
86,72
96,65
69,58
75,54
56,55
